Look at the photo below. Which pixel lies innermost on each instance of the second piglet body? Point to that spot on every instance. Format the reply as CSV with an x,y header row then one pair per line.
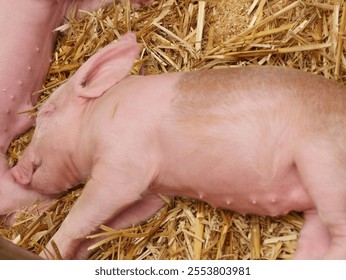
x,y
261,140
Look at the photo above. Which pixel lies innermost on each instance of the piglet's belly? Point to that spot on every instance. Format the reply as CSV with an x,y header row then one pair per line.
x,y
272,199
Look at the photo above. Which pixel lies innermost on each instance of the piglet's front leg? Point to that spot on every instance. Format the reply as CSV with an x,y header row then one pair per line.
x,y
108,193
135,214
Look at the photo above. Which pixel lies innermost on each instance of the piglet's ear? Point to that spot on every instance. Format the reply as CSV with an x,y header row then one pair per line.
x,y
106,68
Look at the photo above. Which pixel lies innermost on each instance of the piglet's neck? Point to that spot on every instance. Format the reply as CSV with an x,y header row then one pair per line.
x,y
84,142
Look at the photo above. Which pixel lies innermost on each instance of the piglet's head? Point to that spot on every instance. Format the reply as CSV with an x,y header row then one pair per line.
x,y
53,161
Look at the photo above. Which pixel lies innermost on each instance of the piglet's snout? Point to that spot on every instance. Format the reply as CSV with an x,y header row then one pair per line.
x,y
25,169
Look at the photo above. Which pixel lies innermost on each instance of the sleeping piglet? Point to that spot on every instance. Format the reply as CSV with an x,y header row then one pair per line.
x,y
262,140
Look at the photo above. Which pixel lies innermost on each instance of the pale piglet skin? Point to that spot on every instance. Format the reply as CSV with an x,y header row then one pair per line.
x,y
27,40
263,140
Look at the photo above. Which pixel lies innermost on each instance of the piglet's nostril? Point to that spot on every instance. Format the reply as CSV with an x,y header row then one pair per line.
x,y
36,163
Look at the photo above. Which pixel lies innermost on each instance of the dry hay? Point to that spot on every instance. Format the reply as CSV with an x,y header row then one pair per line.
x,y
183,35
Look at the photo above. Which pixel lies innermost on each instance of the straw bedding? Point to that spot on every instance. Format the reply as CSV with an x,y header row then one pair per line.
x,y
184,35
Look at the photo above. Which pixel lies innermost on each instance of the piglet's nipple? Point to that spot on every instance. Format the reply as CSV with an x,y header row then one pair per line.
x,y
228,201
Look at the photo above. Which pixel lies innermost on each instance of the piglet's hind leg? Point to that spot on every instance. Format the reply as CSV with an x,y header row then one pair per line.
x,y
314,238
324,177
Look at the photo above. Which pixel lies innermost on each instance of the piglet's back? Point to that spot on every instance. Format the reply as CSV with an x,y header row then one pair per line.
x,y
261,92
